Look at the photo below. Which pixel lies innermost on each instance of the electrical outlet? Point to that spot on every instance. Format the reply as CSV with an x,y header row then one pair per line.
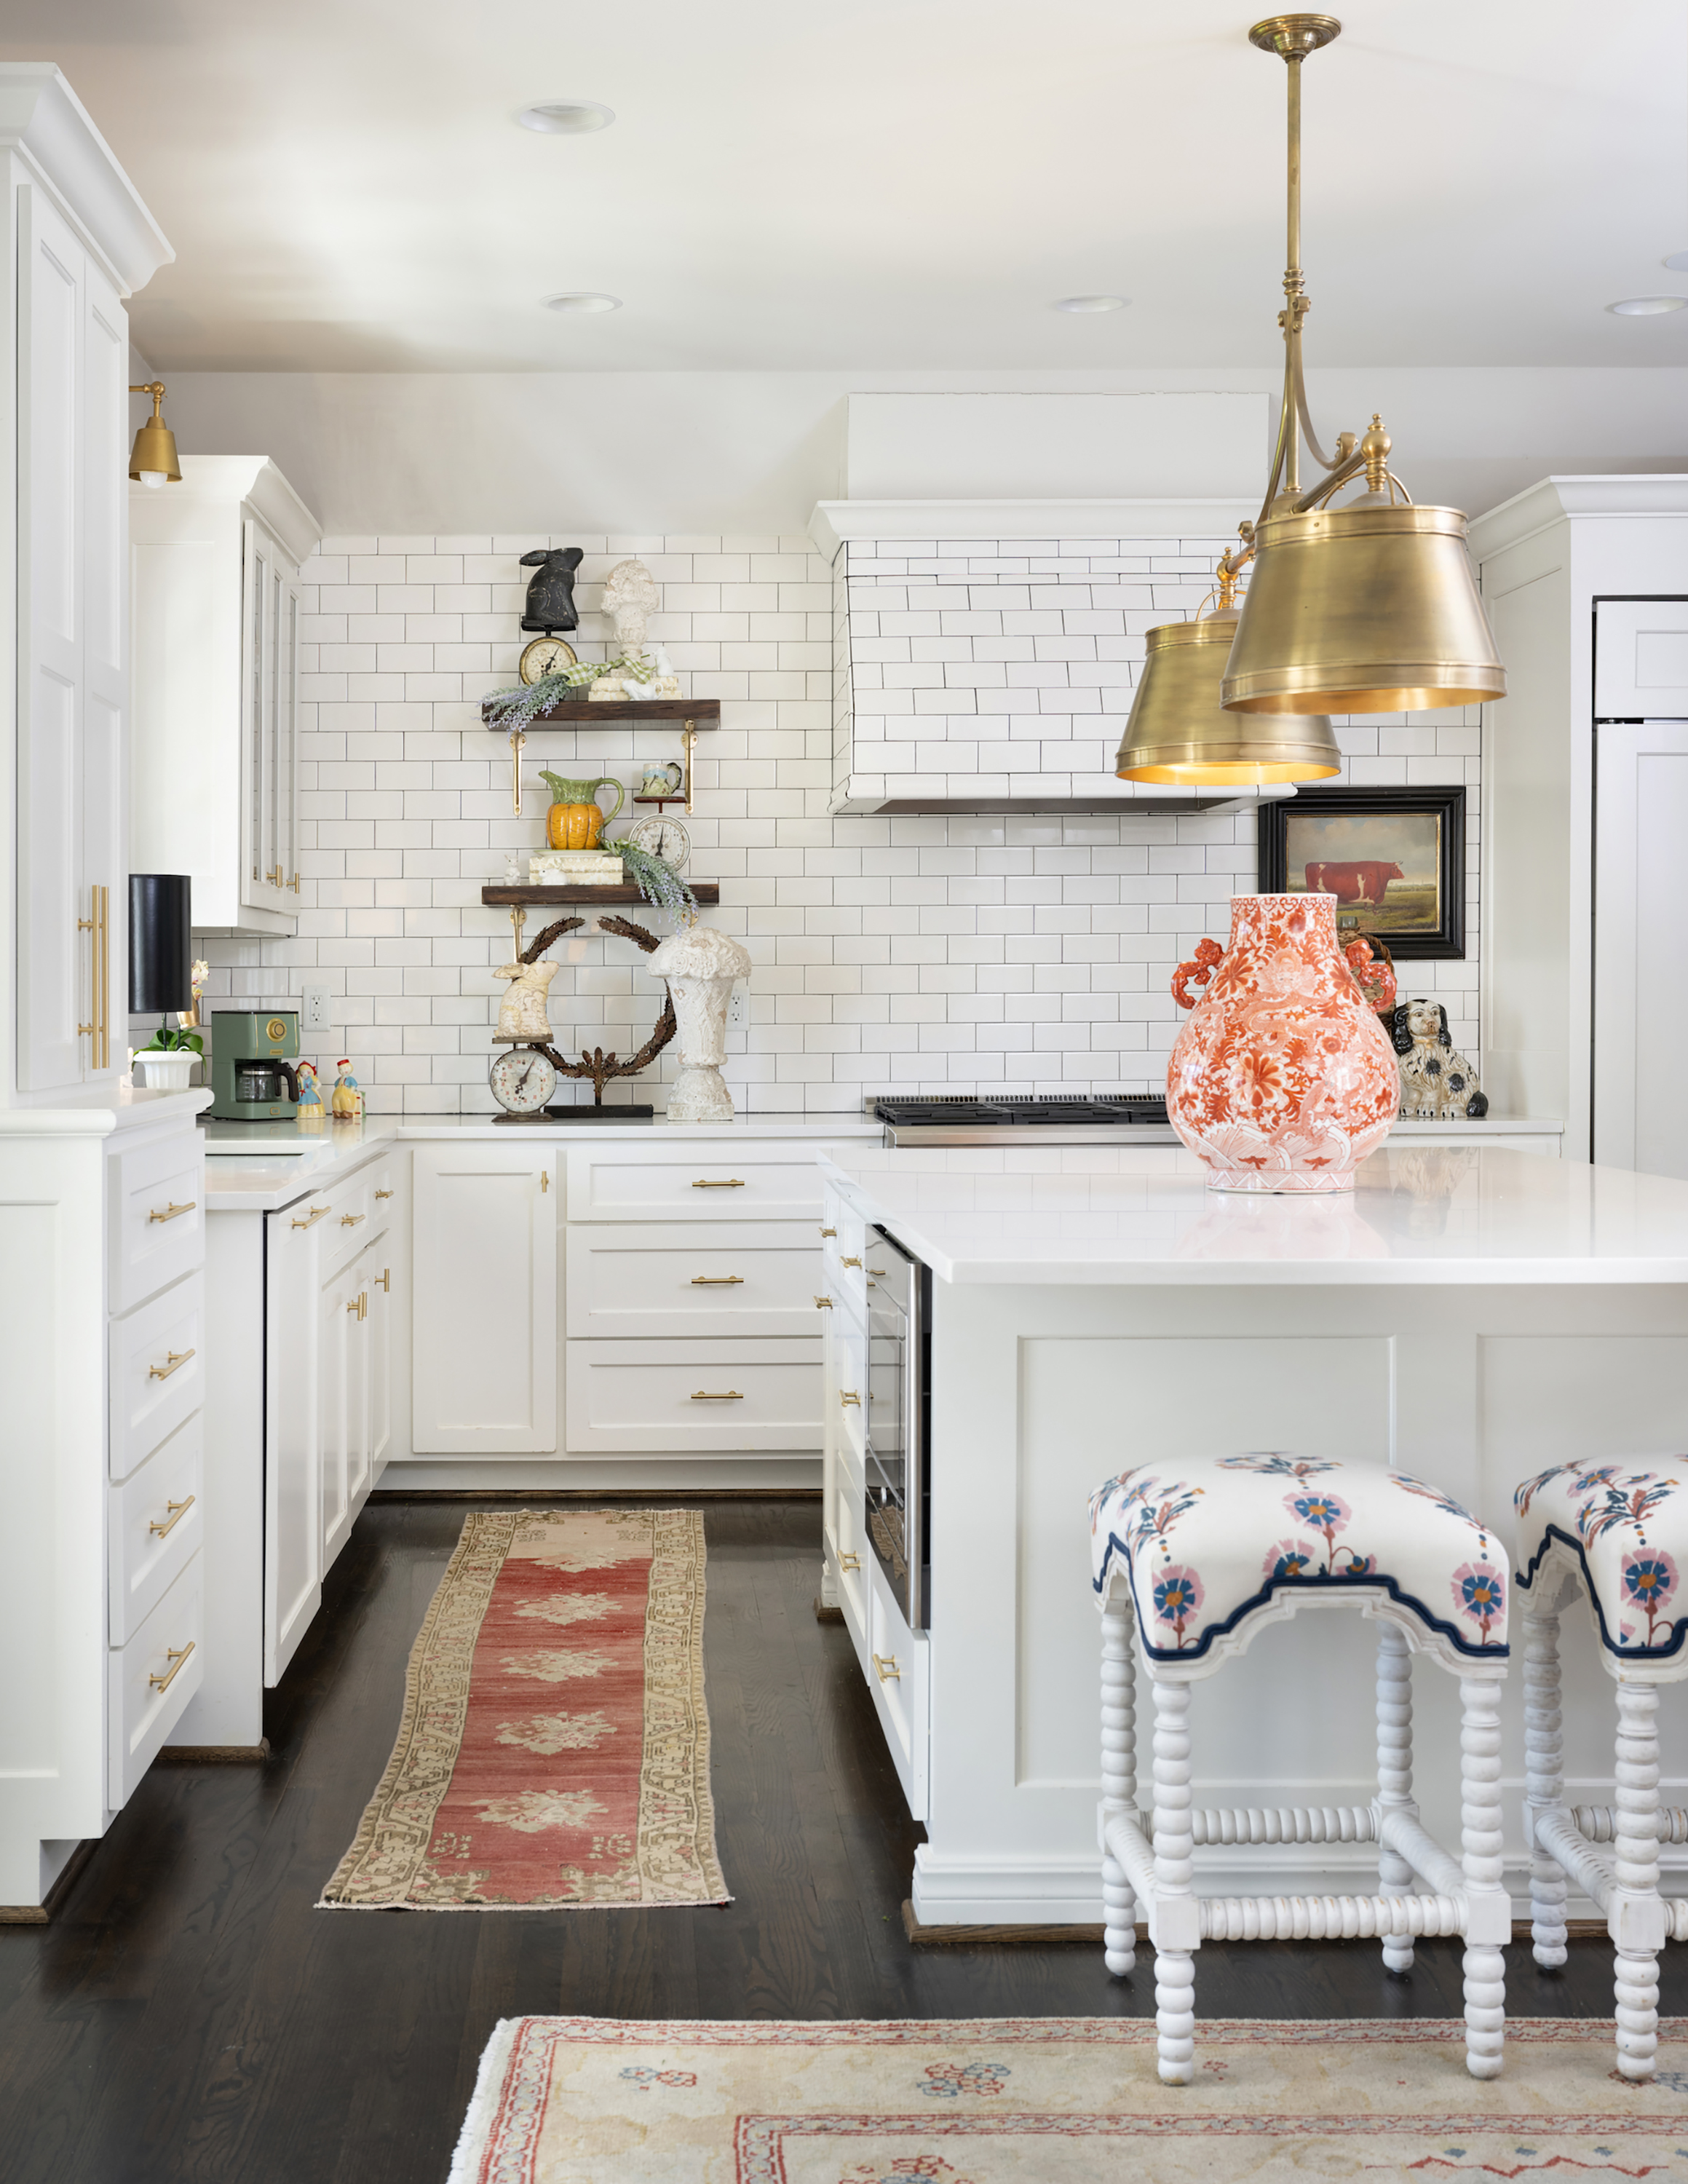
x,y
314,1008
738,1007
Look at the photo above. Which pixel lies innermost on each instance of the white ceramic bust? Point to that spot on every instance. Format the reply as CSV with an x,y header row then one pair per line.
x,y
522,1013
701,966
631,597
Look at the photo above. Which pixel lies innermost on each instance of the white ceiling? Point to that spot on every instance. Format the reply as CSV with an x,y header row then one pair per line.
x,y
805,184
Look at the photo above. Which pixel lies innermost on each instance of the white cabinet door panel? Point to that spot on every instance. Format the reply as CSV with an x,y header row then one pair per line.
x,y
157,1372
158,1216
712,1398
633,1278
1640,990
156,1523
710,1182
293,1463
151,1680
483,1279
104,653
1640,659
338,1422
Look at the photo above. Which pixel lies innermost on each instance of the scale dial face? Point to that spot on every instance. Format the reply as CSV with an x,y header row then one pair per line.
x,y
665,838
545,656
522,1080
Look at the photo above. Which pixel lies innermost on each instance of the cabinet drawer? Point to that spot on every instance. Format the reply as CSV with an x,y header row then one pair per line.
x,y
897,1674
158,1216
713,1183
151,1680
157,1524
847,1387
754,1277
157,1372
712,1397
848,1551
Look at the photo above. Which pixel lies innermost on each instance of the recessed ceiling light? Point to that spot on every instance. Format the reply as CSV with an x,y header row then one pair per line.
x,y
576,301
1647,307
566,117
1089,303
1677,262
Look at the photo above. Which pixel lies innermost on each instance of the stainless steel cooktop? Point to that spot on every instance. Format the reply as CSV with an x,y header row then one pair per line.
x,y
959,1119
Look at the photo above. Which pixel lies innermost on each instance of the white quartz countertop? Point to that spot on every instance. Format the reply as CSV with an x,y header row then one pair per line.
x,y
101,1109
259,1167
1421,1214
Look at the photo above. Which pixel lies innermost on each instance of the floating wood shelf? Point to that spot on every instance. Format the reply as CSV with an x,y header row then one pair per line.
x,y
577,712
540,898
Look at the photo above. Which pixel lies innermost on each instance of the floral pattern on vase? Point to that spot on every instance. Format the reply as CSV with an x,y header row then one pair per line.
x,y
1611,1522
1284,1078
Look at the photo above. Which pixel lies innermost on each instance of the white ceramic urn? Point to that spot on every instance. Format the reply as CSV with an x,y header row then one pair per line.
x,y
701,966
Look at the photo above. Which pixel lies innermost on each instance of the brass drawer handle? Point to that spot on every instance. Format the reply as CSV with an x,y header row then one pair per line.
x,y
823,1304
729,1182
360,1305
383,1193
176,1512
829,1232
731,1396
385,1282
717,1281
850,1262
294,883
177,1656
544,1181
350,1220
316,1214
887,1669
880,1271
175,1360
847,1397
849,1562
172,1211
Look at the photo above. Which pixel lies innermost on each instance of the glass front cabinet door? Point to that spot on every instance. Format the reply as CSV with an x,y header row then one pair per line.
x,y
270,652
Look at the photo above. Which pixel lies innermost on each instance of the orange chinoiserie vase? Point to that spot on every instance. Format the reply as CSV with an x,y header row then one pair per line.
x,y
576,820
1284,1078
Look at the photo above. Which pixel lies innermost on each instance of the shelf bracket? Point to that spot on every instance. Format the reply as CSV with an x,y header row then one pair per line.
x,y
691,743
518,743
518,918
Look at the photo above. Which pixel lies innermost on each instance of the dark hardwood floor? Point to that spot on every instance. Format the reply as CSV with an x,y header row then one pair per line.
x,y
189,2018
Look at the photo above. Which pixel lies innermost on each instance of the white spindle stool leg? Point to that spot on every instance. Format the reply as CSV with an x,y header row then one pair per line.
x,y
1119,1779
1395,1771
1543,1762
1636,1974
1489,1917
1176,1914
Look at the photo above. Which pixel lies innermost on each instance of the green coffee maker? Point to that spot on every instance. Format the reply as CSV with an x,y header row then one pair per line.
x,y
252,1078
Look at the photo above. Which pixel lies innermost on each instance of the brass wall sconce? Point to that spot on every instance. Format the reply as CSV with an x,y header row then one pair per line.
x,y
153,458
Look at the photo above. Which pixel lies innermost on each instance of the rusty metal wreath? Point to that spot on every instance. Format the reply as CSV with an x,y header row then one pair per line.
x,y
599,1066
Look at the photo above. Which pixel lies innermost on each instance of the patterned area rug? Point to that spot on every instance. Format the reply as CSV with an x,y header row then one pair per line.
x,y
554,1751
1060,2100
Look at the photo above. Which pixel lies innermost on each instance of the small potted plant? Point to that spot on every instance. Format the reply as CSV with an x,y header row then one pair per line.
x,y
166,1063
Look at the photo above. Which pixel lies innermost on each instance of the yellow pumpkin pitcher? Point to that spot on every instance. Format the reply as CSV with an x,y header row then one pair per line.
x,y
576,820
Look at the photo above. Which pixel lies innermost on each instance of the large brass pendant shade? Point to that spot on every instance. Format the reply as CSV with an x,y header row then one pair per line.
x,y
1179,734
1361,609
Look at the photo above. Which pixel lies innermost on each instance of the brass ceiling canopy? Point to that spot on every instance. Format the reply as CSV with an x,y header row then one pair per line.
x,y
1179,734
153,460
1368,608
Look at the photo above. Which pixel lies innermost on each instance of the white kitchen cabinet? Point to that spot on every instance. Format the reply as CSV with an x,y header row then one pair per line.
x,y
484,1313
723,1397
214,569
650,1280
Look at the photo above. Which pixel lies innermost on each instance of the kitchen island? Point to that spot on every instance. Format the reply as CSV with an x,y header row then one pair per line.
x,y
1471,1315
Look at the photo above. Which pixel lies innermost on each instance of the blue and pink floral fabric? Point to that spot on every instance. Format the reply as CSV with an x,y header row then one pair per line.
x,y
1619,1525
1209,1540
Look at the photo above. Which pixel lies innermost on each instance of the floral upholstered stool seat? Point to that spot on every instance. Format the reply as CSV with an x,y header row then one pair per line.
x,y
1198,1556
1618,1531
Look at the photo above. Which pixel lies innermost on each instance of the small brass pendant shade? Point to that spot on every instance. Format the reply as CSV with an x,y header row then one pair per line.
x,y
1178,733
154,454
1361,609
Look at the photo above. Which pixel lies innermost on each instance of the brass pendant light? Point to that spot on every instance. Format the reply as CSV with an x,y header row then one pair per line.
x,y
1179,734
1371,607
153,460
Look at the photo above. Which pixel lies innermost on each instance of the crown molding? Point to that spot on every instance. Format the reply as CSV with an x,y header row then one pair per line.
x,y
43,121
1540,506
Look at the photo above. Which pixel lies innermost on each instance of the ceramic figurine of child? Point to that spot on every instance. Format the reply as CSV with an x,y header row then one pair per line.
x,y
309,1116
346,1103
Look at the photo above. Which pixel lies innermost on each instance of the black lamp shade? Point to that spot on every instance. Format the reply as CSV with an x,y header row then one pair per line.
x,y
160,943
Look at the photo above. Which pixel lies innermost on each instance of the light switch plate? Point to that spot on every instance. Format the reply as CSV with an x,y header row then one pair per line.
x,y
314,1008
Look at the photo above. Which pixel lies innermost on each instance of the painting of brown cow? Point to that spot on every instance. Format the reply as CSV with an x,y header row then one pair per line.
x,y
1364,880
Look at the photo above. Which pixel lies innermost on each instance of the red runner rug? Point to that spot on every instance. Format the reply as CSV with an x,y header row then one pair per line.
x,y
554,1751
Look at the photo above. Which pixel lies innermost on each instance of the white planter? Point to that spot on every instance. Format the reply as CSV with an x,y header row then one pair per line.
x,y
164,1072
701,966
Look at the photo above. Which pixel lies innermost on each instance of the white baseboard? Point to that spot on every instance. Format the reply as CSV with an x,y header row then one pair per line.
x,y
555,1475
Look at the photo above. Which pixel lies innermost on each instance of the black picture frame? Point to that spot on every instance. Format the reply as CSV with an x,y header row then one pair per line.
x,y
1446,804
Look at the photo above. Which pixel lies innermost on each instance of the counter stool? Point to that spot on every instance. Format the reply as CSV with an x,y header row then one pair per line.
x,y
1202,1554
1620,1532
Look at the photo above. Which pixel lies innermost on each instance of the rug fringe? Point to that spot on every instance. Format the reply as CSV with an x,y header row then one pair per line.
x,y
483,2101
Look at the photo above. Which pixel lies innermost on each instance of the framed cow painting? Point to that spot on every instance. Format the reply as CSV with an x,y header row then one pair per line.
x,y
1394,858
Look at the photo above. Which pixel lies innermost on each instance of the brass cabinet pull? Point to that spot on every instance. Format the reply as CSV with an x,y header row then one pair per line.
x,y
175,1360
172,1210
728,1183
829,1232
823,1304
294,883
95,926
177,1656
316,1214
360,1305
717,1281
383,1193
850,1262
385,1282
847,1397
731,1396
174,1511
887,1669
849,1562
545,1179
880,1271
350,1220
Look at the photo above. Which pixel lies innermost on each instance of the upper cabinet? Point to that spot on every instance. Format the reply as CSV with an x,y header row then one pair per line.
x,y
81,241
215,602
